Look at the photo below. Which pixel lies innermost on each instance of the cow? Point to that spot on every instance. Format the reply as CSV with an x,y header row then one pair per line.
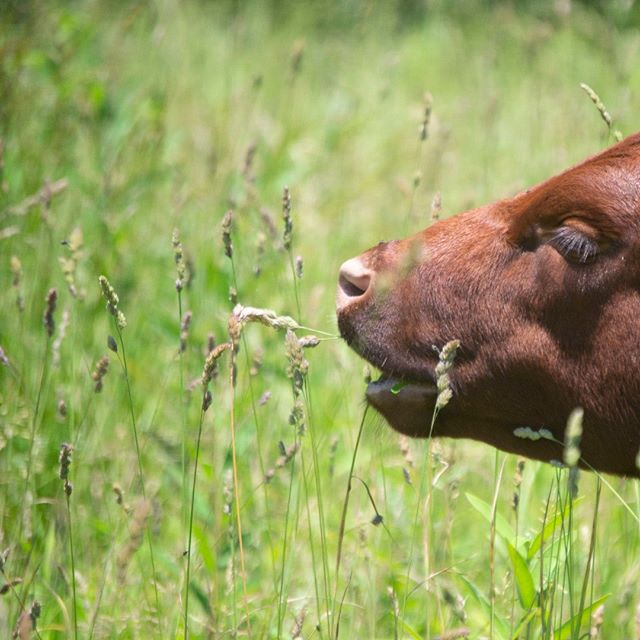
x,y
542,291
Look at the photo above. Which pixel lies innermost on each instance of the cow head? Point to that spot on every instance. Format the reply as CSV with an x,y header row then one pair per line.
x,y
543,292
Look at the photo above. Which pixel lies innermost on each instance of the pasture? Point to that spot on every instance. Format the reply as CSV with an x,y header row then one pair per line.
x,y
203,155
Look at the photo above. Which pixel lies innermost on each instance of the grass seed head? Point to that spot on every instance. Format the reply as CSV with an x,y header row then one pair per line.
x,y
286,216
426,118
573,435
178,256
27,622
57,343
227,221
210,365
436,206
184,330
16,281
50,302
99,372
112,300
298,364
65,460
136,533
267,317
299,266
446,358
66,451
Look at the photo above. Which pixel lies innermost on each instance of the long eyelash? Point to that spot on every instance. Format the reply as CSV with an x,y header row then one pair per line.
x,y
572,244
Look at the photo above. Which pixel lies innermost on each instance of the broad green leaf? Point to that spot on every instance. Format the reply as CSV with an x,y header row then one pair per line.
x,y
524,581
503,528
534,613
411,631
549,529
581,618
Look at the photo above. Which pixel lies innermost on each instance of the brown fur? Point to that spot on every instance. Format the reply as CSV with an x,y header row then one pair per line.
x,y
541,332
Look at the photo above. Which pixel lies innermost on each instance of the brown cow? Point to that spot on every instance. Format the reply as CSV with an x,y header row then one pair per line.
x,y
543,292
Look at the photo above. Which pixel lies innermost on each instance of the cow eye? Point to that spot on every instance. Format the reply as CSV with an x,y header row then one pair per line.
x,y
573,245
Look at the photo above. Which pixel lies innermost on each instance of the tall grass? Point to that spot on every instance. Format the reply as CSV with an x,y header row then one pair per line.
x,y
239,507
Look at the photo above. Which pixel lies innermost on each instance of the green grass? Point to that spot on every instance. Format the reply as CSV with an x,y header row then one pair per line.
x,y
148,111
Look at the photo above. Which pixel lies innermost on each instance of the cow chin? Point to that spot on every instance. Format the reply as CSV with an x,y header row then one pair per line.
x,y
407,407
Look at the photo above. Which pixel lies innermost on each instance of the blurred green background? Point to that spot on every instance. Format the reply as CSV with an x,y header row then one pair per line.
x,y
154,116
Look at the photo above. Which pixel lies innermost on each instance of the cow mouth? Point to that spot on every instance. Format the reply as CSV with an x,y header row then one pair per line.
x,y
406,405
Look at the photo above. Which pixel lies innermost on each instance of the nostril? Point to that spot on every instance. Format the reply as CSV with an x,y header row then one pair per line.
x,y
354,289
354,281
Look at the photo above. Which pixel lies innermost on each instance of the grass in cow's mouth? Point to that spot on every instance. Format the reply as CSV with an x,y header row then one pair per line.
x,y
214,445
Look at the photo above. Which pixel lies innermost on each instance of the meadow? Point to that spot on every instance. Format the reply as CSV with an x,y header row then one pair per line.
x,y
173,465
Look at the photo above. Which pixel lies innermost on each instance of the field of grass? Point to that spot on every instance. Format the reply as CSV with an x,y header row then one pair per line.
x,y
128,131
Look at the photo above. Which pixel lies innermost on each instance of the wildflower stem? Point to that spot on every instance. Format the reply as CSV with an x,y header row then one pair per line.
x,y
123,362
34,424
345,506
73,568
236,486
190,531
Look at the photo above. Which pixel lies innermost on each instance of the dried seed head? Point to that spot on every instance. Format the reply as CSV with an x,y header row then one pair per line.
x,y
298,365
119,492
426,118
65,460
99,372
309,342
112,302
286,454
296,630
286,216
269,222
4,556
207,398
227,221
247,169
57,343
436,206
178,256
445,364
16,281
299,266
517,482
27,622
112,345
50,300
184,330
296,417
210,362
266,317
69,264
227,492
136,534
62,408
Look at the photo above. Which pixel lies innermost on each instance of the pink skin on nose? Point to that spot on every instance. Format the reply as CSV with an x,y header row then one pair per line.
x,y
353,283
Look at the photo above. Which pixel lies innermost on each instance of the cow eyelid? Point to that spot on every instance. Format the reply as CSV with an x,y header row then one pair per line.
x,y
574,245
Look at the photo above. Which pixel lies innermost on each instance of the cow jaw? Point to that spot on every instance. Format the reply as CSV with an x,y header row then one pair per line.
x,y
407,407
